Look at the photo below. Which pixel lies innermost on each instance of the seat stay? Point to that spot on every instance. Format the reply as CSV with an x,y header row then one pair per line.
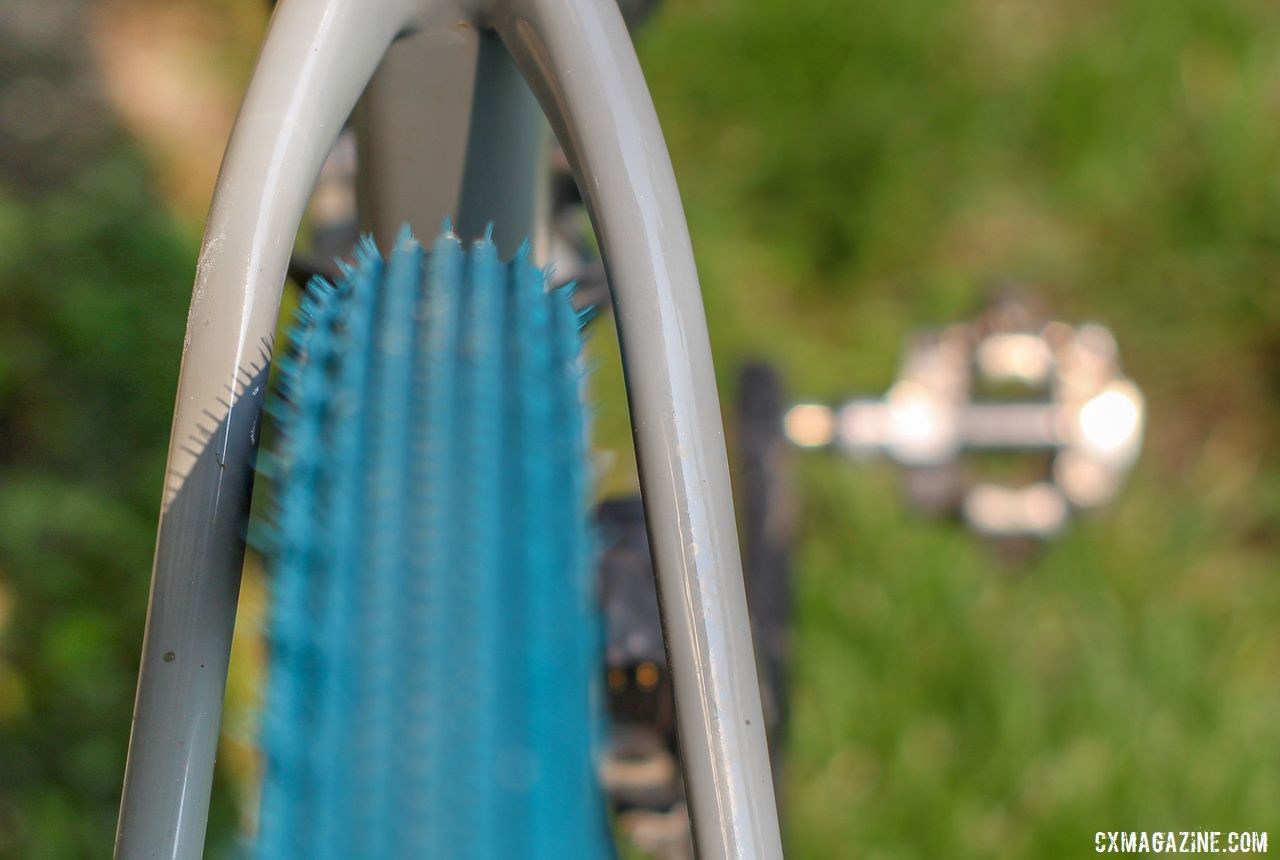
x,y
316,60
579,59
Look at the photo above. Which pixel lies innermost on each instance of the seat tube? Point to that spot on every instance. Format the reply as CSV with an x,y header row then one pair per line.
x,y
470,146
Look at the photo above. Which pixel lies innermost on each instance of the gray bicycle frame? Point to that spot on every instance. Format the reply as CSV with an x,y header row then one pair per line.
x,y
447,125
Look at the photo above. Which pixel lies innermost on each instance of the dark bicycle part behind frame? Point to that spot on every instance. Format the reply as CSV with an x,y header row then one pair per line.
x,y
641,768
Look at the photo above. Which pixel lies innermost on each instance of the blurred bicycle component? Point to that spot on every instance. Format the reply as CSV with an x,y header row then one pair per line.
x,y
1003,385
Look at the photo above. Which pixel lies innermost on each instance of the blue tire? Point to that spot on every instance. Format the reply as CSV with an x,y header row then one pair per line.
x,y
435,644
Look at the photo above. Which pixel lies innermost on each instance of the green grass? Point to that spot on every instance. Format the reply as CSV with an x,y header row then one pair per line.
x,y
94,277
854,171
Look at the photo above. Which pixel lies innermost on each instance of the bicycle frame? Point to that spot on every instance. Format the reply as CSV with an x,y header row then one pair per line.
x,y
446,127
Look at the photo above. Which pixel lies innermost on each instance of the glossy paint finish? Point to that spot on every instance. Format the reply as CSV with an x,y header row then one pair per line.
x,y
318,57
580,61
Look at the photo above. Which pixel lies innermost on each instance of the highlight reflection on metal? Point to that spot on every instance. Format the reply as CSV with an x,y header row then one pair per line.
x,y
1079,409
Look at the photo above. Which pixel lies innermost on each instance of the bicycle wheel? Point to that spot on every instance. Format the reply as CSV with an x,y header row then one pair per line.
x,y
434,631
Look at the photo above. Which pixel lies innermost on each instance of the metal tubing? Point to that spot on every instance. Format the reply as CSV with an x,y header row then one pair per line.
x,y
318,56
412,129
578,57
469,144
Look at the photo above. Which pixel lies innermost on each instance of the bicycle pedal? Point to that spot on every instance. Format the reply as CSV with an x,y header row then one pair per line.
x,y
1050,395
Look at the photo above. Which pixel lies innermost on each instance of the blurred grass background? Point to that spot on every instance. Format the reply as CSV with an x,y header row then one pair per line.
x,y
851,172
